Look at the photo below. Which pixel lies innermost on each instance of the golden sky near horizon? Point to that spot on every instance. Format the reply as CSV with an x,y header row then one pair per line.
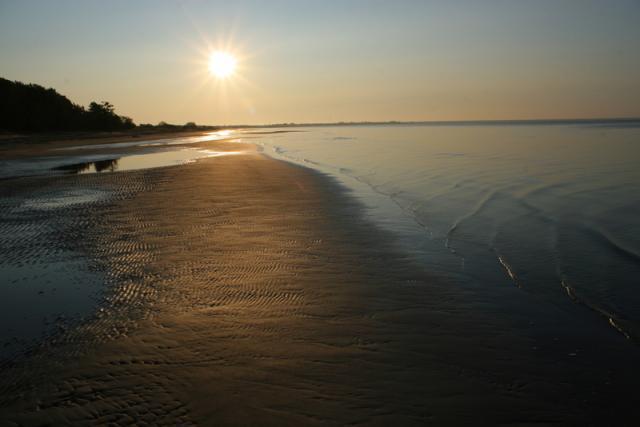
x,y
313,61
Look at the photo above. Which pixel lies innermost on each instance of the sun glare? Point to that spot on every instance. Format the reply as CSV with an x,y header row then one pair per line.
x,y
222,64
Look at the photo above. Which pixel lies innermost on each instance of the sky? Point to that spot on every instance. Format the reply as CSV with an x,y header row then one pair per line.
x,y
327,61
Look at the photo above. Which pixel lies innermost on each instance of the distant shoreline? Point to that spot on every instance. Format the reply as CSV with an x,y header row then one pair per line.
x,y
13,136
10,141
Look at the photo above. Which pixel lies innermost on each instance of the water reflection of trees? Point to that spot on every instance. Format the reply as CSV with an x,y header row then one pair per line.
x,y
106,165
109,165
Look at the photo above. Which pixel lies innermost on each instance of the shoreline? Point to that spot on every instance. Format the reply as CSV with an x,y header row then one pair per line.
x,y
248,289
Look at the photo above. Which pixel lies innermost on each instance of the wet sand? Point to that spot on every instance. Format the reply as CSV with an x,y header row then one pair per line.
x,y
247,291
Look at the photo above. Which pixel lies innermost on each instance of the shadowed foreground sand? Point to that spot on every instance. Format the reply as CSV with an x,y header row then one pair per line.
x,y
247,291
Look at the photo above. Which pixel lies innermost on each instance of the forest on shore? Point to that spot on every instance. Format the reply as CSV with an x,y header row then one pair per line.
x,y
33,108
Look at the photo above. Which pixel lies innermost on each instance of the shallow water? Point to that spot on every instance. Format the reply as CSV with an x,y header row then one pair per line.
x,y
144,161
208,137
116,156
48,283
550,209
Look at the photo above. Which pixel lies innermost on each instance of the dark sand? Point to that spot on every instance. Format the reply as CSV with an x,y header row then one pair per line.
x,y
246,291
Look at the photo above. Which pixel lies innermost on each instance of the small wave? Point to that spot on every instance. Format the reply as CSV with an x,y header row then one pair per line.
x,y
612,243
542,190
482,203
612,319
509,270
311,162
569,290
616,326
450,154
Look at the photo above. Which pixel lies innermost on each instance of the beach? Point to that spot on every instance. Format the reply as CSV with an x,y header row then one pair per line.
x,y
244,290
362,213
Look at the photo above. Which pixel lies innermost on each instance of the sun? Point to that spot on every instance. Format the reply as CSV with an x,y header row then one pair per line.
x,y
222,64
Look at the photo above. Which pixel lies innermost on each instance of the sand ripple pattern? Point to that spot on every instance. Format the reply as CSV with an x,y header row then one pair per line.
x,y
249,291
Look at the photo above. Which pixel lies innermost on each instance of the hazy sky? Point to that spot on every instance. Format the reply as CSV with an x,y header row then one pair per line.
x,y
327,60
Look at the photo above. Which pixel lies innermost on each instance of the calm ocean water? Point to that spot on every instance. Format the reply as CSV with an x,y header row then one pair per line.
x,y
551,209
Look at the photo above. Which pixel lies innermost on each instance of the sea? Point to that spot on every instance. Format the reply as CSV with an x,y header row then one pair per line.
x,y
552,209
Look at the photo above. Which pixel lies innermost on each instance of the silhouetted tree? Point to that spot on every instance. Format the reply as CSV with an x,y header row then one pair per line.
x,y
101,116
30,107
167,126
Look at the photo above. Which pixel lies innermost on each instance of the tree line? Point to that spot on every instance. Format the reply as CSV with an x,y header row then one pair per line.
x,y
31,107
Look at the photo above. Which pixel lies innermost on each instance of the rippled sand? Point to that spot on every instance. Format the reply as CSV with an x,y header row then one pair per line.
x,y
246,291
